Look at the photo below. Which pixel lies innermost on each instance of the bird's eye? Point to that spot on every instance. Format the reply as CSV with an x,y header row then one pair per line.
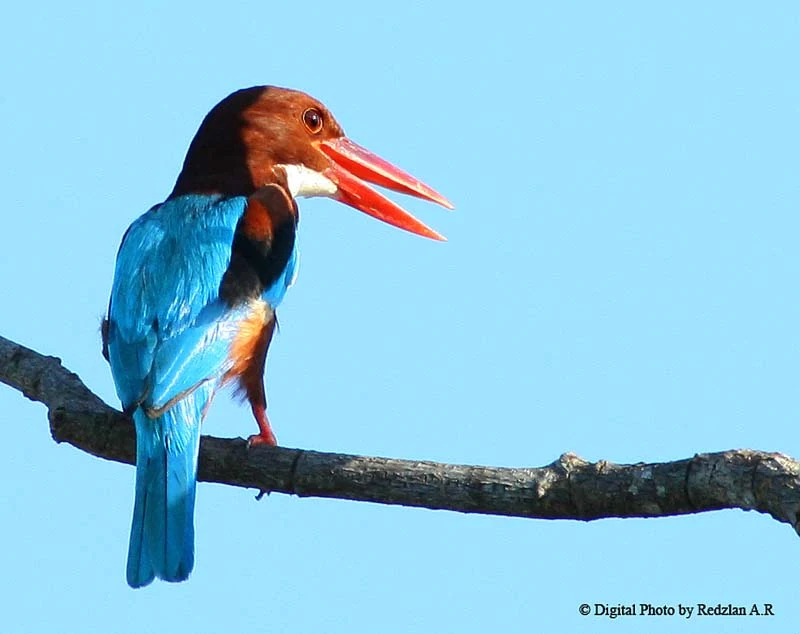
x,y
313,120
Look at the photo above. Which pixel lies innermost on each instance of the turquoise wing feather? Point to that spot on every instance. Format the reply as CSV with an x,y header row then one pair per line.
x,y
168,341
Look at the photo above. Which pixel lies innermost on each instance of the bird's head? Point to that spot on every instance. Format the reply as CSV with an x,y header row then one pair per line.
x,y
264,135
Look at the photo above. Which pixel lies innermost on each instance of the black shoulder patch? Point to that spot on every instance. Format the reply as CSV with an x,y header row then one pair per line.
x,y
262,245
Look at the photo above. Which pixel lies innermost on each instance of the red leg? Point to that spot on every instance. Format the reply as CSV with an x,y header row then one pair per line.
x,y
252,380
266,436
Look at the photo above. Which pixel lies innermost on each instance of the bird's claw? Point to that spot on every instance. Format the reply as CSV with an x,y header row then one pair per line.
x,y
262,439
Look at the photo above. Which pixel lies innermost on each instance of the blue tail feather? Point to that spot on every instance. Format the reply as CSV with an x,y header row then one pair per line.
x,y
162,532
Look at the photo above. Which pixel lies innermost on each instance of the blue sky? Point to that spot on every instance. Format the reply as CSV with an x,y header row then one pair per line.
x,y
620,281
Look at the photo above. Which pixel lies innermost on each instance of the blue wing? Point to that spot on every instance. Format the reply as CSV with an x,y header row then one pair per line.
x,y
169,342
168,329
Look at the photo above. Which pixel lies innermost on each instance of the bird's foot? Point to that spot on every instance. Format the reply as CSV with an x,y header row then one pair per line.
x,y
262,439
265,435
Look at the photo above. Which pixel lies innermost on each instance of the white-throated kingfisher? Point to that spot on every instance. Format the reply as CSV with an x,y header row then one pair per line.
x,y
198,280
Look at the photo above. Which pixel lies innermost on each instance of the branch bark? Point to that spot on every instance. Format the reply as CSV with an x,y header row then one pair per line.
x,y
569,488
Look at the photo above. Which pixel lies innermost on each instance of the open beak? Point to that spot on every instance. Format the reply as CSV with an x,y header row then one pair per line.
x,y
352,165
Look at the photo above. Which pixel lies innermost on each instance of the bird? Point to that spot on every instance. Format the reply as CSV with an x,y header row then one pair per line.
x,y
197,282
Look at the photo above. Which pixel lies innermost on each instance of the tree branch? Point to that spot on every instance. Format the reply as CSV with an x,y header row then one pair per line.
x,y
569,488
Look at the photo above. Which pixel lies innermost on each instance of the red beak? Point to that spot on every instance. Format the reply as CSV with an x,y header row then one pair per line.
x,y
352,165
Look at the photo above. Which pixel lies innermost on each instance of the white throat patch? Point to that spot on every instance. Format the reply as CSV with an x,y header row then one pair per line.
x,y
306,182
